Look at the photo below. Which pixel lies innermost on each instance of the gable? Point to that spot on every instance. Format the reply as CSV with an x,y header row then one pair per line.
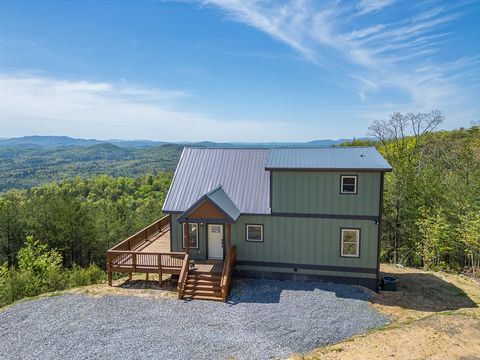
x,y
206,210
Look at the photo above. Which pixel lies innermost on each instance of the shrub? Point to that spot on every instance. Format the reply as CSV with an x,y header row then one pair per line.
x,y
39,271
78,276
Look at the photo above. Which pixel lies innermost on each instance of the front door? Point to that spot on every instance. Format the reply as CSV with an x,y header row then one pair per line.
x,y
215,241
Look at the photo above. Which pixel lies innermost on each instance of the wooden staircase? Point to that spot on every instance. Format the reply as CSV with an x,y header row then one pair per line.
x,y
203,286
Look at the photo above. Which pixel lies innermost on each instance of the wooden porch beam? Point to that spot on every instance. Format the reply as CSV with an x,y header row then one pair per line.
x,y
229,240
186,234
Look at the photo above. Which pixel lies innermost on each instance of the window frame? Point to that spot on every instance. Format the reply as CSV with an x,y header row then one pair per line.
x,y
358,242
355,192
261,233
197,239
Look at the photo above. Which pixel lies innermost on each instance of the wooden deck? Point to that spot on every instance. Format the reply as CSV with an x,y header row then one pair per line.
x,y
148,251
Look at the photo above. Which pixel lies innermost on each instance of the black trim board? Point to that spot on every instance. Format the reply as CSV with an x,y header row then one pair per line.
x,y
207,220
328,169
369,283
307,266
379,240
326,216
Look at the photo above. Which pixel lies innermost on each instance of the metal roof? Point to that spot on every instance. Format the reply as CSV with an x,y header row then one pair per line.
x,y
220,199
240,172
337,158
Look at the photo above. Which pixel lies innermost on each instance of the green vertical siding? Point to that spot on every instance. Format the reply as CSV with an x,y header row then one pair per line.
x,y
305,241
318,192
176,234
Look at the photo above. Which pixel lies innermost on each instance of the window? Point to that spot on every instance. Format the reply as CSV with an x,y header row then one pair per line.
x,y
193,227
348,184
254,233
350,243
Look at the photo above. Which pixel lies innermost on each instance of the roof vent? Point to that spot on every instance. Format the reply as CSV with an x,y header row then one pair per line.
x,y
361,154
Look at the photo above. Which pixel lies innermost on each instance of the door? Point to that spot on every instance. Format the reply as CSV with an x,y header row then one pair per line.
x,y
215,241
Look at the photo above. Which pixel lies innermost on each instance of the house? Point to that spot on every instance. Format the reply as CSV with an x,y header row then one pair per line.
x,y
273,213
280,213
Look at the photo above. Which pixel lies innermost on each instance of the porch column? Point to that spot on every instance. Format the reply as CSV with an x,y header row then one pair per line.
x,y
186,233
229,240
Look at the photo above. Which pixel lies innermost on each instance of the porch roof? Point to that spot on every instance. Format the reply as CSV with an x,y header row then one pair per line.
x,y
220,200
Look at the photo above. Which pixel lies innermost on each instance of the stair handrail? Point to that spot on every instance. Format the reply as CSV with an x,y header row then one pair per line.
x,y
183,277
227,272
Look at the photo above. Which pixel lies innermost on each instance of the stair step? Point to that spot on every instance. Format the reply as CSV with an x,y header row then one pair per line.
x,y
194,283
203,297
203,281
203,287
204,275
195,292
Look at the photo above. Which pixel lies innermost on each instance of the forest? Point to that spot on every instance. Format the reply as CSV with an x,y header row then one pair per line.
x,y
431,214
54,235
24,166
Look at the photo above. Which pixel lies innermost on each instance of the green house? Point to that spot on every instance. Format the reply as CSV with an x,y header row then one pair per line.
x,y
287,213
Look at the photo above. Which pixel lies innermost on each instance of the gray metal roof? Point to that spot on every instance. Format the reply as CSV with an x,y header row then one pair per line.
x,y
240,172
338,158
220,199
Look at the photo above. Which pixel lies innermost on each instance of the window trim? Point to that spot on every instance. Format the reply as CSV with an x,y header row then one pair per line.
x,y
358,242
341,184
198,236
261,232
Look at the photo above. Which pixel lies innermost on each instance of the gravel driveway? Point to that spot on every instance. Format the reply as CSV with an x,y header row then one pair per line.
x,y
264,319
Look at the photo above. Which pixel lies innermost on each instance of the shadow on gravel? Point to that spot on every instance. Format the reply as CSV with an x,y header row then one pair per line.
x,y
246,290
425,292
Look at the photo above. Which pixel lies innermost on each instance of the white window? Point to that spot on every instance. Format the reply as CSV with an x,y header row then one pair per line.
x,y
348,184
254,232
350,243
193,228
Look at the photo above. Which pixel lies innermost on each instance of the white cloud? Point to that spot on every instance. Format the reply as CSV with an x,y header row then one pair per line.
x,y
47,106
379,56
369,6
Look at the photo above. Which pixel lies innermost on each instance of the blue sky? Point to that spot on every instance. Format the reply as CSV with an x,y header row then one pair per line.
x,y
233,70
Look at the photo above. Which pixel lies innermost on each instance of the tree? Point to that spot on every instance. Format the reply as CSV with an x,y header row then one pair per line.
x,y
403,138
470,236
12,226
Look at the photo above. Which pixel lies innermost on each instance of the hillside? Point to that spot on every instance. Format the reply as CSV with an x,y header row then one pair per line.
x,y
32,160
24,166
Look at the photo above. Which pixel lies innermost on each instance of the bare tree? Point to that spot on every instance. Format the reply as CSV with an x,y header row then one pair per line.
x,y
403,137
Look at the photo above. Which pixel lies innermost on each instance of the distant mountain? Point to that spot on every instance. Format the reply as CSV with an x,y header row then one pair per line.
x,y
48,141
65,141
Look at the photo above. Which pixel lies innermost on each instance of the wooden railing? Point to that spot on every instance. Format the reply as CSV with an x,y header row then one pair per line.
x,y
127,256
227,272
183,277
143,235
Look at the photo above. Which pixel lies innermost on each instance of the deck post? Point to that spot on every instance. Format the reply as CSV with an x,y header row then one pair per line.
x,y
130,276
109,270
160,280
229,240
146,276
186,233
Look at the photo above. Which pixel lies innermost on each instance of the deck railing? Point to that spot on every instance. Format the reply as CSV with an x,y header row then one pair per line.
x,y
142,236
183,277
227,272
128,257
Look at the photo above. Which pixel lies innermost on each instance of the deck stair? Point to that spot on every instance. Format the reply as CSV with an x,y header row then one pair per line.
x,y
203,286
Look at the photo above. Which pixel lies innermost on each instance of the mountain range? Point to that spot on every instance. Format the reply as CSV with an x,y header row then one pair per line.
x,y
65,141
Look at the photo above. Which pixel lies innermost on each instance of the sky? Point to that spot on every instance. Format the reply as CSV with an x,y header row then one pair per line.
x,y
234,70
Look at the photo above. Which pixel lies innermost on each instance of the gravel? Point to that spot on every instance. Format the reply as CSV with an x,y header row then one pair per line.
x,y
263,319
